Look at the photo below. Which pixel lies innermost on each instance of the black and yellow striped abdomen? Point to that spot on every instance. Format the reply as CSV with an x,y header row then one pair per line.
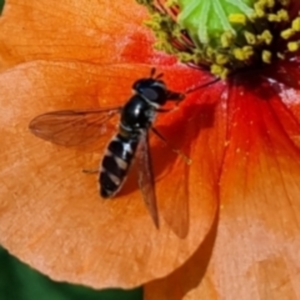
x,y
116,163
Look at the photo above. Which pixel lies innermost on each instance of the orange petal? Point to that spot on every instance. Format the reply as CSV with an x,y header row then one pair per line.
x,y
50,213
252,252
94,31
197,130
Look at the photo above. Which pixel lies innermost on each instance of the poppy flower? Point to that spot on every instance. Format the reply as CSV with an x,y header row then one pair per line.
x,y
228,201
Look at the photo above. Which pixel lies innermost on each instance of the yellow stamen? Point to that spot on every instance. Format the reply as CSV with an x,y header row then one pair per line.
x,y
259,9
219,71
226,39
222,59
288,33
250,38
266,56
244,53
237,19
293,46
266,37
283,15
296,24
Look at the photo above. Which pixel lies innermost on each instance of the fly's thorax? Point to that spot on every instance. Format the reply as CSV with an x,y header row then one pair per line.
x,y
137,114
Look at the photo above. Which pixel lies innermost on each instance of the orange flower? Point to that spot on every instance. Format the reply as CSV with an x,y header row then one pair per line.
x,y
231,225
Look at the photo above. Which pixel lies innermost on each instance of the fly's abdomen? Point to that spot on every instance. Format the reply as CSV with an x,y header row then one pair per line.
x,y
115,164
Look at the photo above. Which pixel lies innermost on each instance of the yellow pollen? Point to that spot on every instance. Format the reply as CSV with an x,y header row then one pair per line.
x,y
237,19
265,3
210,52
273,18
248,50
227,39
270,3
259,9
296,24
293,46
220,71
266,56
280,16
185,57
288,33
238,54
283,15
250,38
222,59
266,37
244,53
260,13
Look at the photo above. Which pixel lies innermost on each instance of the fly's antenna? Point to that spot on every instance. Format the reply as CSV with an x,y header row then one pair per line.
x,y
195,88
152,73
186,159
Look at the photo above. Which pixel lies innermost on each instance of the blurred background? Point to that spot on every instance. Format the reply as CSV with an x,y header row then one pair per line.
x,y
19,282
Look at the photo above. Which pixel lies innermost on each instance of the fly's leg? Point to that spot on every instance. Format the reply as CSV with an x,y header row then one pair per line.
x,y
174,97
175,150
91,171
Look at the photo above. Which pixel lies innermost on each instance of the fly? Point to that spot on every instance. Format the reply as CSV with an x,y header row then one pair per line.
x,y
131,142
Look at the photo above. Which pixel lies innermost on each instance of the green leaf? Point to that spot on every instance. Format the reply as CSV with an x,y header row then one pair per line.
x,y
207,20
1,6
20,282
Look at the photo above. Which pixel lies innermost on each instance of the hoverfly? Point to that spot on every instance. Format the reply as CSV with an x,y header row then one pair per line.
x,y
130,142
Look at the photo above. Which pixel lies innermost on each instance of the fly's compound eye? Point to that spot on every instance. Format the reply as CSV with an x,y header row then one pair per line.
x,y
151,89
142,84
153,94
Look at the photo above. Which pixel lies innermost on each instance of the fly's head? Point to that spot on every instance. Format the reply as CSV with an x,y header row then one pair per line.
x,y
155,91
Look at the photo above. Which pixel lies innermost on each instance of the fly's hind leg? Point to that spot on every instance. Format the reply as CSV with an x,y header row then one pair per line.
x,y
91,171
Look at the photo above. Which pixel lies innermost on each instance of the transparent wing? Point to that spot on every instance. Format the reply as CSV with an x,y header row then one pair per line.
x,y
145,177
175,207
170,163
73,127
